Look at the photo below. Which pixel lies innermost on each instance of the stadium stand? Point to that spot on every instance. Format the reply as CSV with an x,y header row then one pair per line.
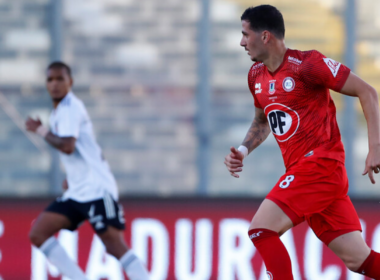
x,y
134,66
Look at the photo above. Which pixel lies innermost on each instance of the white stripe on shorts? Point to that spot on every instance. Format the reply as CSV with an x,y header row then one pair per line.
x,y
109,206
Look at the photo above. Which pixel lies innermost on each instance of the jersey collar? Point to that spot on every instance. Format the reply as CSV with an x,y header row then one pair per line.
x,y
67,96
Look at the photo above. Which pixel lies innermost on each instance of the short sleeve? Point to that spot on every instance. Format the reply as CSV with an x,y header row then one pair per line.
x,y
69,122
323,71
252,87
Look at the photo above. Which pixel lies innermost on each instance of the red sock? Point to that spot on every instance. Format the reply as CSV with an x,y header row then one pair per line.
x,y
273,252
371,266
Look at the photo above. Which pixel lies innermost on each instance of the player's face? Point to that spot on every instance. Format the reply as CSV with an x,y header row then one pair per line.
x,y
58,83
252,42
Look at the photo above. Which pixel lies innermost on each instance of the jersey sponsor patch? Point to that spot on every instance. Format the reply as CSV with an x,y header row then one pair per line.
x,y
283,121
332,65
294,60
288,84
258,88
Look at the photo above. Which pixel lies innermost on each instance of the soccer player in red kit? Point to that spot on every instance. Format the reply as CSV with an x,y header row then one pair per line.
x,y
291,95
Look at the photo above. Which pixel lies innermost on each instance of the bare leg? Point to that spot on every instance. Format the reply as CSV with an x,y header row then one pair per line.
x,y
266,227
351,249
271,217
46,225
113,240
115,245
42,236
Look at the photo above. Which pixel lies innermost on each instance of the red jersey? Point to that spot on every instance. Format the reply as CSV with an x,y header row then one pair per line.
x,y
297,103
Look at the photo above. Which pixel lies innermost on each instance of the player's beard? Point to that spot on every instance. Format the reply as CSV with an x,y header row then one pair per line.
x,y
58,99
258,58
255,59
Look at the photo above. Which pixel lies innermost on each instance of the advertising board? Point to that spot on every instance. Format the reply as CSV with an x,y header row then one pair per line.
x,y
189,239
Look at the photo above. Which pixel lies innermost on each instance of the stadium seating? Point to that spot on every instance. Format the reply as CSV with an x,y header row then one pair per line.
x,y
134,65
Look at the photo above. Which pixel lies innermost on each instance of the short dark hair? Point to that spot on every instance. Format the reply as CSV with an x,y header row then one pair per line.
x,y
265,17
60,65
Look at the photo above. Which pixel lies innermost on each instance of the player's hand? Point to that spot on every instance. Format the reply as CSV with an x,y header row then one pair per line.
x,y
234,162
32,125
65,185
372,163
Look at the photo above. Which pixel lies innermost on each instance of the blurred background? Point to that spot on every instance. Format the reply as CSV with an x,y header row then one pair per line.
x,y
165,83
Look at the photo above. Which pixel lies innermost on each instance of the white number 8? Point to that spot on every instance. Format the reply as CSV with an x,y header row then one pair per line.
x,y
286,182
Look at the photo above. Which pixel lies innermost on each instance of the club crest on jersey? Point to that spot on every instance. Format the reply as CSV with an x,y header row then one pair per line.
x,y
272,87
333,66
283,121
288,84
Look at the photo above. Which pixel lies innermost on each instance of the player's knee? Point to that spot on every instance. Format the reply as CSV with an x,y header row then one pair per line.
x,y
352,263
108,244
115,250
254,226
353,266
114,246
251,227
36,238
110,250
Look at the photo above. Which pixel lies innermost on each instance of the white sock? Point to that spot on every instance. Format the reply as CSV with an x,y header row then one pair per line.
x,y
134,268
58,257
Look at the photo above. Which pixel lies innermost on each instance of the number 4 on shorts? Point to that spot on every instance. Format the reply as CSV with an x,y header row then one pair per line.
x,y
286,182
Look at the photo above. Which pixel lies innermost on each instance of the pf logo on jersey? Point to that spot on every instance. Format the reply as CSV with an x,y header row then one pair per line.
x,y
283,121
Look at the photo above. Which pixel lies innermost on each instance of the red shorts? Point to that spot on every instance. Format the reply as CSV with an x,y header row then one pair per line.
x,y
315,190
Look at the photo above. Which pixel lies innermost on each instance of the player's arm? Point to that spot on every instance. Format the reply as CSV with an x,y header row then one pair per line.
x,y
258,131
256,134
64,144
368,97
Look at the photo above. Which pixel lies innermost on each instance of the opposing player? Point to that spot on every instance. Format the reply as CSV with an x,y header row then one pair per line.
x,y
91,188
291,95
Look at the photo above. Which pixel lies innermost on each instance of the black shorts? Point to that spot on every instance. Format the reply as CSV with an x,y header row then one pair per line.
x,y
100,213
